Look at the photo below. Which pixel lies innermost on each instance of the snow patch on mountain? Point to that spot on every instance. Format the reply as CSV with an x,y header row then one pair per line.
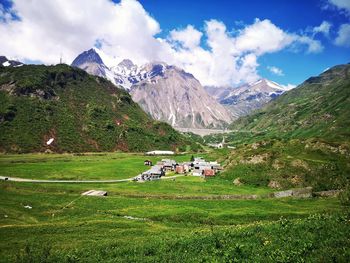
x,y
4,61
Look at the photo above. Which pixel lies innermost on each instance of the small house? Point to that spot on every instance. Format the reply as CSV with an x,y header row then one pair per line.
x,y
156,172
169,165
147,162
198,159
197,172
208,172
216,166
200,167
180,169
186,168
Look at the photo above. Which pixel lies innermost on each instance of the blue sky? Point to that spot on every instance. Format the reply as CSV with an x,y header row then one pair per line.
x,y
291,16
222,43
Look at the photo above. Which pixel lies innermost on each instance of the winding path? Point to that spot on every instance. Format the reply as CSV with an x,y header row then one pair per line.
x,y
16,179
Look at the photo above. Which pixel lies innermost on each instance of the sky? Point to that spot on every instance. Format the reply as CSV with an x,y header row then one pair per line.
x,y
222,43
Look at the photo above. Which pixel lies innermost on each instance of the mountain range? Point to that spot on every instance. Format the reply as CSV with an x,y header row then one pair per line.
x,y
167,93
244,99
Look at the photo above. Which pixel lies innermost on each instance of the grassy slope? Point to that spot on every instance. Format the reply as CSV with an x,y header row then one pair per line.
x,y
302,138
82,113
291,163
318,108
65,227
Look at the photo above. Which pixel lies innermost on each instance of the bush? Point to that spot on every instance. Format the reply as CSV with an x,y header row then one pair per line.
x,y
344,196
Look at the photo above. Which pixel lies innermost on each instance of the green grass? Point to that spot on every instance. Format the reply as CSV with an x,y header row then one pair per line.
x,y
165,189
71,205
97,167
63,224
294,163
79,167
103,166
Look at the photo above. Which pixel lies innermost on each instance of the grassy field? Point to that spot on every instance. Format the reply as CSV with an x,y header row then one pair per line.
x,y
96,166
63,226
70,225
114,166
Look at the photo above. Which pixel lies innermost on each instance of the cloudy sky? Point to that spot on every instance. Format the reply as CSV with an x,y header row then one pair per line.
x,y
220,42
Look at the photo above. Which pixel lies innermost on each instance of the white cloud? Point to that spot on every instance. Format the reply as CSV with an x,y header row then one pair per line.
x,y
275,70
47,29
188,38
323,28
232,59
263,37
313,46
343,38
343,5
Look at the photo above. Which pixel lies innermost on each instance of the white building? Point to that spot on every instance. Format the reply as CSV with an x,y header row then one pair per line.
x,y
157,152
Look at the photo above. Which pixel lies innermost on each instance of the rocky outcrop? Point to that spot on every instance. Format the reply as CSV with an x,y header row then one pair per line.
x,y
237,182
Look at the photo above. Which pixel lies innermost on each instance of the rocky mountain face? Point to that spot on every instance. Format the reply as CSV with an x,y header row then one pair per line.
x,y
126,73
91,62
9,63
246,98
166,93
172,95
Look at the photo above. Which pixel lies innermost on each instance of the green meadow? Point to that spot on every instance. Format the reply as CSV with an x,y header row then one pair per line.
x,y
145,222
88,166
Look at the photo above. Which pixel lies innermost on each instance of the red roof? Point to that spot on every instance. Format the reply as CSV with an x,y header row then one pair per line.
x,y
208,172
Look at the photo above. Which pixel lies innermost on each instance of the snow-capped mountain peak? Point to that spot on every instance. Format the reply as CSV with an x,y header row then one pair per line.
x,y
247,97
126,63
4,61
91,62
165,92
265,84
126,73
90,56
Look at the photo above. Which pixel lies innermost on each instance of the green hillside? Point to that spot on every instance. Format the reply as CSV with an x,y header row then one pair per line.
x,y
300,139
81,112
320,107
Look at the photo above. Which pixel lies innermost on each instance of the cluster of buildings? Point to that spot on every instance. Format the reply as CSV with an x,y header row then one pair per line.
x,y
155,173
201,167
197,167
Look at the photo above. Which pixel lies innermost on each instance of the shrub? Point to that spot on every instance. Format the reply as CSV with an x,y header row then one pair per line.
x,y
344,196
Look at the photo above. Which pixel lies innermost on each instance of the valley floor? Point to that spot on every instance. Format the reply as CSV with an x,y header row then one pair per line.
x,y
141,222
